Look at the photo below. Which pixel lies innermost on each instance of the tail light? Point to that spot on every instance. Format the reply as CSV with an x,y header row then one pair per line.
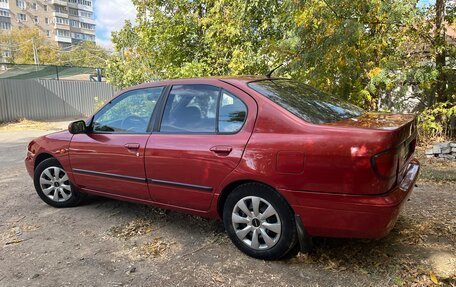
x,y
385,163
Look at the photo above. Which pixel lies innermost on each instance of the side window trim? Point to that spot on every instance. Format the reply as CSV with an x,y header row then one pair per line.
x,y
151,119
160,110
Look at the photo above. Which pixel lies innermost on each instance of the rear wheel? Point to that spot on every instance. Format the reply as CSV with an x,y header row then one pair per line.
x,y
260,222
53,185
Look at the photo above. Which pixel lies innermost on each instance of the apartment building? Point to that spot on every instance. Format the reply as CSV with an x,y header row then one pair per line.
x,y
65,21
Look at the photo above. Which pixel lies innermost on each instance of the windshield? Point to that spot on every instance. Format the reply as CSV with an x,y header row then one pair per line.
x,y
306,102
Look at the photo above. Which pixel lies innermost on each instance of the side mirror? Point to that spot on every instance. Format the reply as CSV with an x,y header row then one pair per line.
x,y
77,127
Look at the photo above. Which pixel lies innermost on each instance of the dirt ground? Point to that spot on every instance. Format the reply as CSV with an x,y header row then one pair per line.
x,y
111,243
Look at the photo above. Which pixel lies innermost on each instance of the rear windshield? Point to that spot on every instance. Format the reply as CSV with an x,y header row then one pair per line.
x,y
306,102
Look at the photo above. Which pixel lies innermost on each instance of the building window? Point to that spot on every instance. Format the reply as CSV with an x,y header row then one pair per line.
x,y
87,26
21,17
74,23
48,33
73,1
4,13
46,20
45,7
4,1
21,4
63,33
60,9
35,19
85,14
73,12
34,6
61,21
81,36
5,26
85,2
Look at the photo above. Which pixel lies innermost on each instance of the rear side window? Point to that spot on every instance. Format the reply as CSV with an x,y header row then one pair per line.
x,y
306,102
232,113
191,109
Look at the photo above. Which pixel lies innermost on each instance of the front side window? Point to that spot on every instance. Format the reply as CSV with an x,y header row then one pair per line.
x,y
191,109
128,113
232,113
308,103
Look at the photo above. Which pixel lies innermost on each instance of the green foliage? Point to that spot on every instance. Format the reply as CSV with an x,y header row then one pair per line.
x,y
438,121
197,38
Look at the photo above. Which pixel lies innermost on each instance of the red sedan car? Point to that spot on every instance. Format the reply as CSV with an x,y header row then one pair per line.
x,y
277,160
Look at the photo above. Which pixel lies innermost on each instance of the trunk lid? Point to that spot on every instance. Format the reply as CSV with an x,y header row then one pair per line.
x,y
400,138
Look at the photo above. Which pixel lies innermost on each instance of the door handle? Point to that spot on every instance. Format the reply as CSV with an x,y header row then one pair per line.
x,y
133,146
221,149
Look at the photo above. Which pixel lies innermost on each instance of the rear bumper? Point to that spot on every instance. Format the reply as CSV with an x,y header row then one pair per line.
x,y
341,215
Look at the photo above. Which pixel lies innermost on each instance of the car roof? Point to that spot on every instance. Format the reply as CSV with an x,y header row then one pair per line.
x,y
235,80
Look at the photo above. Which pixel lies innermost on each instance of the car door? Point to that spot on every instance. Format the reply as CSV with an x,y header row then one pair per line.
x,y
109,158
199,141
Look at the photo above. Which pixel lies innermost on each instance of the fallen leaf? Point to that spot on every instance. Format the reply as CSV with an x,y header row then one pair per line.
x,y
433,277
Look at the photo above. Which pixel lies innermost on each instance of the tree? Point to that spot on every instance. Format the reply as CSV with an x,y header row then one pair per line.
x,y
370,52
86,54
182,38
29,46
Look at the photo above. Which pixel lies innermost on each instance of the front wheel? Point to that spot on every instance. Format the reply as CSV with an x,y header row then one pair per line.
x,y
53,185
260,222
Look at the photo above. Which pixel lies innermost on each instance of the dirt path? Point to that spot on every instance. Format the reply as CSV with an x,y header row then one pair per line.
x,y
112,243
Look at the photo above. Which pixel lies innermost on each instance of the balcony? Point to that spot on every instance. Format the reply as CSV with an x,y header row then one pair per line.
x,y
60,2
60,14
86,20
63,39
85,7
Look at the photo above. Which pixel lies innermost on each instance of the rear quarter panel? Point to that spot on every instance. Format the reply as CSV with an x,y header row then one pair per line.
x,y
334,159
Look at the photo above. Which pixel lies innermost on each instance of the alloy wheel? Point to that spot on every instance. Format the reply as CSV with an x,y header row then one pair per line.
x,y
256,223
55,184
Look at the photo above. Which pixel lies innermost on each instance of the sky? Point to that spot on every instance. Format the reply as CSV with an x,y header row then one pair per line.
x,y
110,15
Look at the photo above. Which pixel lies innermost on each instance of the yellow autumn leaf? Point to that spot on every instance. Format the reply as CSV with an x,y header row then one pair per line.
x,y
433,277
375,71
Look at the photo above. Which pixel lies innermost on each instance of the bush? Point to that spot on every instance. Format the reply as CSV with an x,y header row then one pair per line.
x,y
437,122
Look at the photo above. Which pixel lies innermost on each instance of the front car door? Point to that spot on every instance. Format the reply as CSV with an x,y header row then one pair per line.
x,y
200,139
110,157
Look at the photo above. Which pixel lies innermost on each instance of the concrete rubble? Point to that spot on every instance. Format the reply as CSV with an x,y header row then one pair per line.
x,y
444,150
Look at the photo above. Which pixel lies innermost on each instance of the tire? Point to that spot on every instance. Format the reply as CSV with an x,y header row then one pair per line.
x,y
50,180
272,242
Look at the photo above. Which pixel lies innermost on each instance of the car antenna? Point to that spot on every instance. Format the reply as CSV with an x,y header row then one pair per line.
x,y
268,75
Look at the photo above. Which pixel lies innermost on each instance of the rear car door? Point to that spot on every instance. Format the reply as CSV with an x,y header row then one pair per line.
x,y
200,139
110,157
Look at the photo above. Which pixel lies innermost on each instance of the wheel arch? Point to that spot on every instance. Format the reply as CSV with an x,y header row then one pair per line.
x,y
233,185
41,157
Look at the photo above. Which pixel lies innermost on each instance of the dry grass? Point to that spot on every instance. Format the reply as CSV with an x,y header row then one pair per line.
x,y
25,124
133,228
